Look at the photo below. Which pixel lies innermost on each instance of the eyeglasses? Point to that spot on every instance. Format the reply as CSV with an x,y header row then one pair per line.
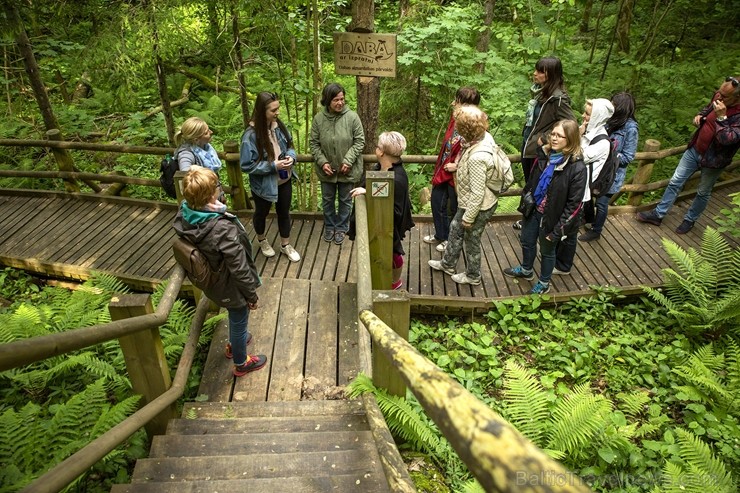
x,y
734,81
553,135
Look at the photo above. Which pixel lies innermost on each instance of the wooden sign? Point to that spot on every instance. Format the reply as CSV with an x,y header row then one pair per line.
x,y
367,54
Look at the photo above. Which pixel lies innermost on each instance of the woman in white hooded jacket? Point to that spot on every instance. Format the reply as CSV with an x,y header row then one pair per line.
x,y
596,112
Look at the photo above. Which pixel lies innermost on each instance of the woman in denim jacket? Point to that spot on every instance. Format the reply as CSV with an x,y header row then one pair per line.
x,y
267,155
622,128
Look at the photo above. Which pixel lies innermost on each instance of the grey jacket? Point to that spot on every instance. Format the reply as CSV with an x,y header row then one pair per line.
x,y
224,241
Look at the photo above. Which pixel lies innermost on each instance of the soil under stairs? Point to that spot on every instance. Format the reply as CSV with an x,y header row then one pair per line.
x,y
286,447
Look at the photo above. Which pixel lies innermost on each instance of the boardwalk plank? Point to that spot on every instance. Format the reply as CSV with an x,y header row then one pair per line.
x,y
321,340
263,324
286,376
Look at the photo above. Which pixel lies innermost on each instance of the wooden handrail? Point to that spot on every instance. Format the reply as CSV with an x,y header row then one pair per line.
x,y
500,458
26,351
67,471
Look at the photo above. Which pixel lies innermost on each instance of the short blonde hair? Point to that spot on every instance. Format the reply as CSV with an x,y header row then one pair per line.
x,y
392,143
191,130
199,186
471,122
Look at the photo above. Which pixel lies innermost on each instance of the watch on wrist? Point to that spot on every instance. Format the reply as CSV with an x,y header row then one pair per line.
x,y
721,118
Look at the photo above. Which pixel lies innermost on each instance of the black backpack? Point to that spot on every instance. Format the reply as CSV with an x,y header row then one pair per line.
x,y
167,170
196,264
601,185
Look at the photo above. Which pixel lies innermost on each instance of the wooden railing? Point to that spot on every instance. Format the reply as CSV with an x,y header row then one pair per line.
x,y
239,196
500,458
136,326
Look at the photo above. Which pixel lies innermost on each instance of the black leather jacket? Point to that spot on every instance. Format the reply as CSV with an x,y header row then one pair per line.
x,y
223,239
563,213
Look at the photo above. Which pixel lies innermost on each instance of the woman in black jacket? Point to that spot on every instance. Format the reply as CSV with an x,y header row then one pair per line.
x,y
204,222
555,187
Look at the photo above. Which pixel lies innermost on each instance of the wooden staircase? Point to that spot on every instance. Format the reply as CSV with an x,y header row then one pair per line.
x,y
295,447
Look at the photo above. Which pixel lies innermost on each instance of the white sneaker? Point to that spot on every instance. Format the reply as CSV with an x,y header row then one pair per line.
x,y
437,265
429,239
462,278
266,249
559,272
442,246
288,250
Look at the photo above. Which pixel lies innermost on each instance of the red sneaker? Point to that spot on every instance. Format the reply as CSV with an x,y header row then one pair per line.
x,y
254,362
229,354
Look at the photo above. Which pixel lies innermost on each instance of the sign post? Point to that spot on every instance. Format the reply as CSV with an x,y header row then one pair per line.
x,y
365,54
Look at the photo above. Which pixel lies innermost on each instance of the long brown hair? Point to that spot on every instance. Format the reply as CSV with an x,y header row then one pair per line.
x,y
261,129
553,69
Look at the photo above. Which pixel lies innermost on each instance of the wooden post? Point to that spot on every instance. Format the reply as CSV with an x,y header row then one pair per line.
x,y
179,175
643,172
64,160
239,199
393,308
379,193
144,356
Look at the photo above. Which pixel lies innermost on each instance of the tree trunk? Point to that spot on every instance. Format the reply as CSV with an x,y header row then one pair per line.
x,y
586,17
654,30
318,83
161,77
484,40
239,59
32,67
368,88
624,23
596,31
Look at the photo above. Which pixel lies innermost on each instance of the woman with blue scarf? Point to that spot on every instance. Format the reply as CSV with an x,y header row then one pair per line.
x,y
557,185
194,146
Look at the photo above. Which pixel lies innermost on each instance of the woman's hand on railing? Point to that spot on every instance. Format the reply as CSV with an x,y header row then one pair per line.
x,y
357,191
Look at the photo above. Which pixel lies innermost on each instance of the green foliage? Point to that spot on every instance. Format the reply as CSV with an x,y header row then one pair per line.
x,y
38,437
703,291
729,220
699,470
53,407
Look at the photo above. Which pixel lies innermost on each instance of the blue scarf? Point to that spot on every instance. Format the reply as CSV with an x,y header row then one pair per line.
x,y
208,157
546,177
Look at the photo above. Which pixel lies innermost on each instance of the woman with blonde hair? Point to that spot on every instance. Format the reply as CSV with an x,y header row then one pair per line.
x,y
221,238
390,148
479,173
194,146
552,203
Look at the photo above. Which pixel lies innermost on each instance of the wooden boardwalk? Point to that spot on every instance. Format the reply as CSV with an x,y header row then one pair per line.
x,y
65,236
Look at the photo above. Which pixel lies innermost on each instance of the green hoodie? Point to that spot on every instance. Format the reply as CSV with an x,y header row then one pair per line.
x,y
338,138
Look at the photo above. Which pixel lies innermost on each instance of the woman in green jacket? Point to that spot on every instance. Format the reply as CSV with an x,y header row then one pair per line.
x,y
337,140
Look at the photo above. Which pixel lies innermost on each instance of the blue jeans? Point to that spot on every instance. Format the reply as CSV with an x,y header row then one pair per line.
x,y
336,219
602,210
530,237
442,196
238,331
686,167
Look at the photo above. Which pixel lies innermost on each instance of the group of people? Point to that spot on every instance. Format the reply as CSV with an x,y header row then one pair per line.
x,y
560,161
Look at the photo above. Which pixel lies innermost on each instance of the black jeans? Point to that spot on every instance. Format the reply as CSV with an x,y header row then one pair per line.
x,y
282,208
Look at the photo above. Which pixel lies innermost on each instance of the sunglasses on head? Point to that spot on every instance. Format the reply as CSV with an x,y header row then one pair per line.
x,y
734,81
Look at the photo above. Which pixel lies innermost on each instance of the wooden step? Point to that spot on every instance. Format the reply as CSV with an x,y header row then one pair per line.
x,y
342,422
193,410
347,483
258,464
260,443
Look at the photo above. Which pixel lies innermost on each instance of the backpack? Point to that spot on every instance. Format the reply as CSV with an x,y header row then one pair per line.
x,y
196,264
601,185
167,169
502,171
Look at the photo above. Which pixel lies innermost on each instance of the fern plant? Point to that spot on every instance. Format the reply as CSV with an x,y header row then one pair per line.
x,y
34,439
698,470
703,291
577,425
